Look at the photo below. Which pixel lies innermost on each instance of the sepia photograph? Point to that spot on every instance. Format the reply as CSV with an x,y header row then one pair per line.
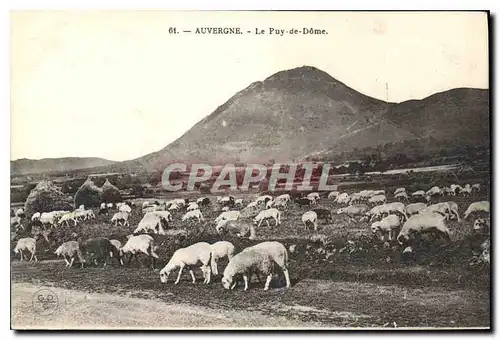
x,y
250,170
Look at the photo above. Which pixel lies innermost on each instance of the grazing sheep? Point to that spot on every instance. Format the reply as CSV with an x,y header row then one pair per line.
x,y
145,204
193,214
70,249
466,190
200,252
453,209
48,218
419,194
220,250
238,228
36,216
259,258
377,199
269,204
125,208
173,207
314,197
266,215
399,190
388,225
20,213
475,207
417,224
109,205
139,244
355,198
226,208
150,222
116,252
402,196
353,210
279,203
414,208
28,244
434,191
342,198
228,215
283,198
263,199
333,194
387,209
323,214
193,206
120,218
442,208
475,188
251,205
71,216
310,217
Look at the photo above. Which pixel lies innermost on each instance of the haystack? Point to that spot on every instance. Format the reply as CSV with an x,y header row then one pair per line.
x,y
88,194
46,197
110,193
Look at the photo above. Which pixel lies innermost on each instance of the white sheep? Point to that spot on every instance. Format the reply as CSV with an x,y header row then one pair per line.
x,y
173,207
125,208
402,195
193,214
193,206
455,189
314,196
251,205
139,244
109,205
238,202
145,204
387,209
70,249
475,207
442,208
36,216
453,209
342,198
19,213
481,225
466,190
259,258
377,199
103,206
333,194
266,215
71,216
150,222
353,210
429,222
228,215
15,222
414,208
283,198
263,199
28,244
200,252
475,187
49,218
399,190
220,250
226,208
120,218
388,225
239,228
310,217
419,193
117,244
434,191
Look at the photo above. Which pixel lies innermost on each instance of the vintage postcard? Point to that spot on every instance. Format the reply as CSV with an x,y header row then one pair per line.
x,y
250,170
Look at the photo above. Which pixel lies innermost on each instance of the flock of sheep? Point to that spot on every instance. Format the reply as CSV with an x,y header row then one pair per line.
x,y
389,221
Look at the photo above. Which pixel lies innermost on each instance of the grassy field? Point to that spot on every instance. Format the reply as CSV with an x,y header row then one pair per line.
x,y
341,276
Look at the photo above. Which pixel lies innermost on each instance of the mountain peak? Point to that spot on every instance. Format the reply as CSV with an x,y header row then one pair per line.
x,y
302,72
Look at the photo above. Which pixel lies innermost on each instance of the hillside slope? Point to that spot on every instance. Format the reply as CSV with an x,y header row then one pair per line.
x,y
25,166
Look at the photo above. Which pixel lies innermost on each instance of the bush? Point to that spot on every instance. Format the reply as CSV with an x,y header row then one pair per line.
x,y
110,193
46,197
88,195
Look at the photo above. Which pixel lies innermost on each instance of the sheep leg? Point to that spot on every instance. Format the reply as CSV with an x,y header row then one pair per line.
x,y
36,258
179,276
267,222
32,254
71,263
21,253
287,278
245,278
208,273
268,281
65,260
215,270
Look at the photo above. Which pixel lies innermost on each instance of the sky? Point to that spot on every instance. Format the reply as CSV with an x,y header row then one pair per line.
x,y
118,85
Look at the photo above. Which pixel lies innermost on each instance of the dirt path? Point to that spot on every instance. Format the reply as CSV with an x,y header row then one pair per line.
x,y
80,310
